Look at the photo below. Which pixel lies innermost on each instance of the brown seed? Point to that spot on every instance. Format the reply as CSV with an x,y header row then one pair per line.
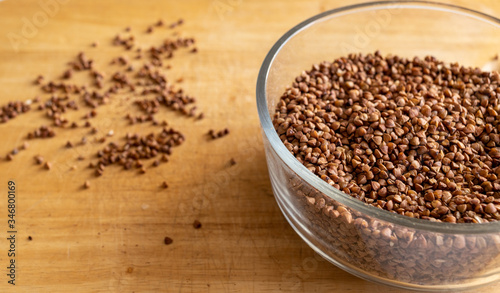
x,y
30,238
86,184
351,128
164,184
415,165
373,117
25,145
414,111
390,123
450,219
39,79
197,224
429,196
360,131
48,165
426,110
39,159
490,208
69,144
386,232
459,242
67,74
168,241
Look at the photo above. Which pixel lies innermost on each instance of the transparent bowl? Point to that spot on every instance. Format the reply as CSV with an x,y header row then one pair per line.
x,y
368,242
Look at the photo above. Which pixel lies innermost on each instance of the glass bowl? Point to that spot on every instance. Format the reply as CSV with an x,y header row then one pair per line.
x,y
366,241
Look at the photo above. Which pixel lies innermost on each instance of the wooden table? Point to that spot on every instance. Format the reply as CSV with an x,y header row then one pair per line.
x,y
110,237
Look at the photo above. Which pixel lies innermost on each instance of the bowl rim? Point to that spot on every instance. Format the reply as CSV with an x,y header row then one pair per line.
x,y
301,171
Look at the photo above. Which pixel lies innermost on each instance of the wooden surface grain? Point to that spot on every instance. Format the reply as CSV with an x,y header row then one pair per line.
x,y
109,238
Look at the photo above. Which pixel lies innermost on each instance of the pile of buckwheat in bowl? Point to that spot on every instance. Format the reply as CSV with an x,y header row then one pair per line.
x,y
415,137
393,173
